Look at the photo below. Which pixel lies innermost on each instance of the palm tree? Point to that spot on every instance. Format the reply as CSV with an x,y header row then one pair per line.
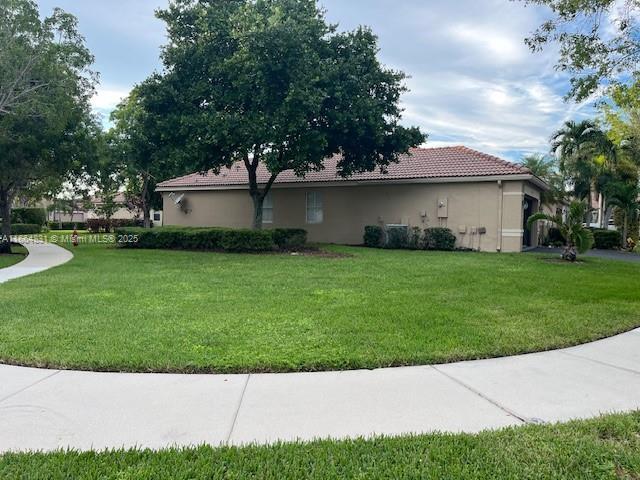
x,y
583,150
578,238
546,168
625,197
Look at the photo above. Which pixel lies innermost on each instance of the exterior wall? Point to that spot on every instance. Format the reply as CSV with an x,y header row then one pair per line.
x,y
496,206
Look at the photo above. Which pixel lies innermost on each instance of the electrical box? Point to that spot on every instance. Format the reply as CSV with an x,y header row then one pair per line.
x,y
462,229
474,230
482,230
443,208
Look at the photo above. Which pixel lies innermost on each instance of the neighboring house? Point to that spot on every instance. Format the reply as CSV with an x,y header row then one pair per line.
x,y
89,210
483,199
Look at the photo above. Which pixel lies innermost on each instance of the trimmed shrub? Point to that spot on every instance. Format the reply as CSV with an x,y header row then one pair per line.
x,y
25,229
439,238
607,239
397,237
104,225
67,225
247,241
289,238
33,216
186,238
373,236
414,240
554,237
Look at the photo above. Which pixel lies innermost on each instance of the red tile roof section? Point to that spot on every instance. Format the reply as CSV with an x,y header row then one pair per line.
x,y
442,162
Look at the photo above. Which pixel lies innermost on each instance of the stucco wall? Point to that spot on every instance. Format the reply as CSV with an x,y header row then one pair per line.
x,y
347,209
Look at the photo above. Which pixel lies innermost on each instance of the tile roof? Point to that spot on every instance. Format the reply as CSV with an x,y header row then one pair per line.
x,y
444,162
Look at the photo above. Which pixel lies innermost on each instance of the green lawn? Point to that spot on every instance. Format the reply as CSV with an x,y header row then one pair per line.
x,y
145,310
17,255
604,448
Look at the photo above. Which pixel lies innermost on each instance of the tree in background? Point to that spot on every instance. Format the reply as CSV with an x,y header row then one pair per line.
x,y
46,130
136,145
546,168
578,238
585,153
625,197
269,83
598,41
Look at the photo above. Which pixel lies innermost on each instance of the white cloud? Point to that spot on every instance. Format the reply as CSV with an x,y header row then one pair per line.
x,y
107,98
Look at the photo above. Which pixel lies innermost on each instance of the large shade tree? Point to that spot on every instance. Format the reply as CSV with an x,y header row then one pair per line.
x,y
46,129
270,82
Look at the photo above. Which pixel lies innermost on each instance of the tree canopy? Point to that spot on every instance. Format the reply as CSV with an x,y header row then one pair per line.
x,y
598,41
46,128
270,82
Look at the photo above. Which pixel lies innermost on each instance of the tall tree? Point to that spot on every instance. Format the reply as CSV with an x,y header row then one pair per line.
x,y
582,149
269,82
625,196
546,168
46,129
136,144
598,41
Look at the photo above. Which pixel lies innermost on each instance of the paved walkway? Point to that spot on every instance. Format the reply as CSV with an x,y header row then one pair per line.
x,y
51,409
607,254
42,256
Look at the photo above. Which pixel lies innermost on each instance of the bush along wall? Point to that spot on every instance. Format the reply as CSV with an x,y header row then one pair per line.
x,y
67,225
25,229
32,216
607,239
434,238
215,239
108,225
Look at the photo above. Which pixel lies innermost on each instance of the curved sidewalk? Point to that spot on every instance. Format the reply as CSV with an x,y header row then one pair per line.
x,y
51,409
42,256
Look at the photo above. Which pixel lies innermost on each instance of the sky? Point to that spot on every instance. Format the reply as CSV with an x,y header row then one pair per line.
x,y
472,81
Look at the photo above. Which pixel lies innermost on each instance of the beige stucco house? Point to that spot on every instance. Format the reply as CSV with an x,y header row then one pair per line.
x,y
483,199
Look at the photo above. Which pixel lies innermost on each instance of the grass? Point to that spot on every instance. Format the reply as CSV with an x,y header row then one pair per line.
x,y
603,448
17,254
136,310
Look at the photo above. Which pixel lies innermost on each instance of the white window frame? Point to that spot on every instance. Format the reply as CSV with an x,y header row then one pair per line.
x,y
267,207
315,203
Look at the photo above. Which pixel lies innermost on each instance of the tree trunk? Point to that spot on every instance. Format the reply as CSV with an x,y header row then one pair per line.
x,y
146,203
625,230
258,202
5,213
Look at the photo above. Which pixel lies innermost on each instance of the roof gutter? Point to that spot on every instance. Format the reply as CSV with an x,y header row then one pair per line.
x,y
350,183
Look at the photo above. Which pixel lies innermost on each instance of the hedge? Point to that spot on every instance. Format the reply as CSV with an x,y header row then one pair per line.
x,y
289,238
25,229
434,238
67,225
104,225
373,236
33,216
218,239
607,239
439,238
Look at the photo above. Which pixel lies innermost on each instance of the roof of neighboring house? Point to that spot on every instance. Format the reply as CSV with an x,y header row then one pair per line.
x,y
119,198
421,163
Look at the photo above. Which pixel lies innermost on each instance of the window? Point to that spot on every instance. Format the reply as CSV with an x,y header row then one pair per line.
x,y
314,207
156,216
267,209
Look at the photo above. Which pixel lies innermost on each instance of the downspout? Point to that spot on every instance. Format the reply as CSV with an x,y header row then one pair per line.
x,y
500,204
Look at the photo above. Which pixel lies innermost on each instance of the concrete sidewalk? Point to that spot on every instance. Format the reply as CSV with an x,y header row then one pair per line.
x,y
52,409
42,256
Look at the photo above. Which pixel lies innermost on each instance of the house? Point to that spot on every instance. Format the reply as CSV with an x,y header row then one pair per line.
x,y
483,199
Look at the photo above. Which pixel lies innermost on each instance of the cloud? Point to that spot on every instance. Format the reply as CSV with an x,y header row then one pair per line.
x,y
107,98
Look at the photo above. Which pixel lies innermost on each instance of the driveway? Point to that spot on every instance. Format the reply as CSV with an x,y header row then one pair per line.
x,y
607,254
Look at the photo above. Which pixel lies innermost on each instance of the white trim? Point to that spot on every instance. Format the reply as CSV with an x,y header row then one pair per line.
x,y
512,232
348,183
515,194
